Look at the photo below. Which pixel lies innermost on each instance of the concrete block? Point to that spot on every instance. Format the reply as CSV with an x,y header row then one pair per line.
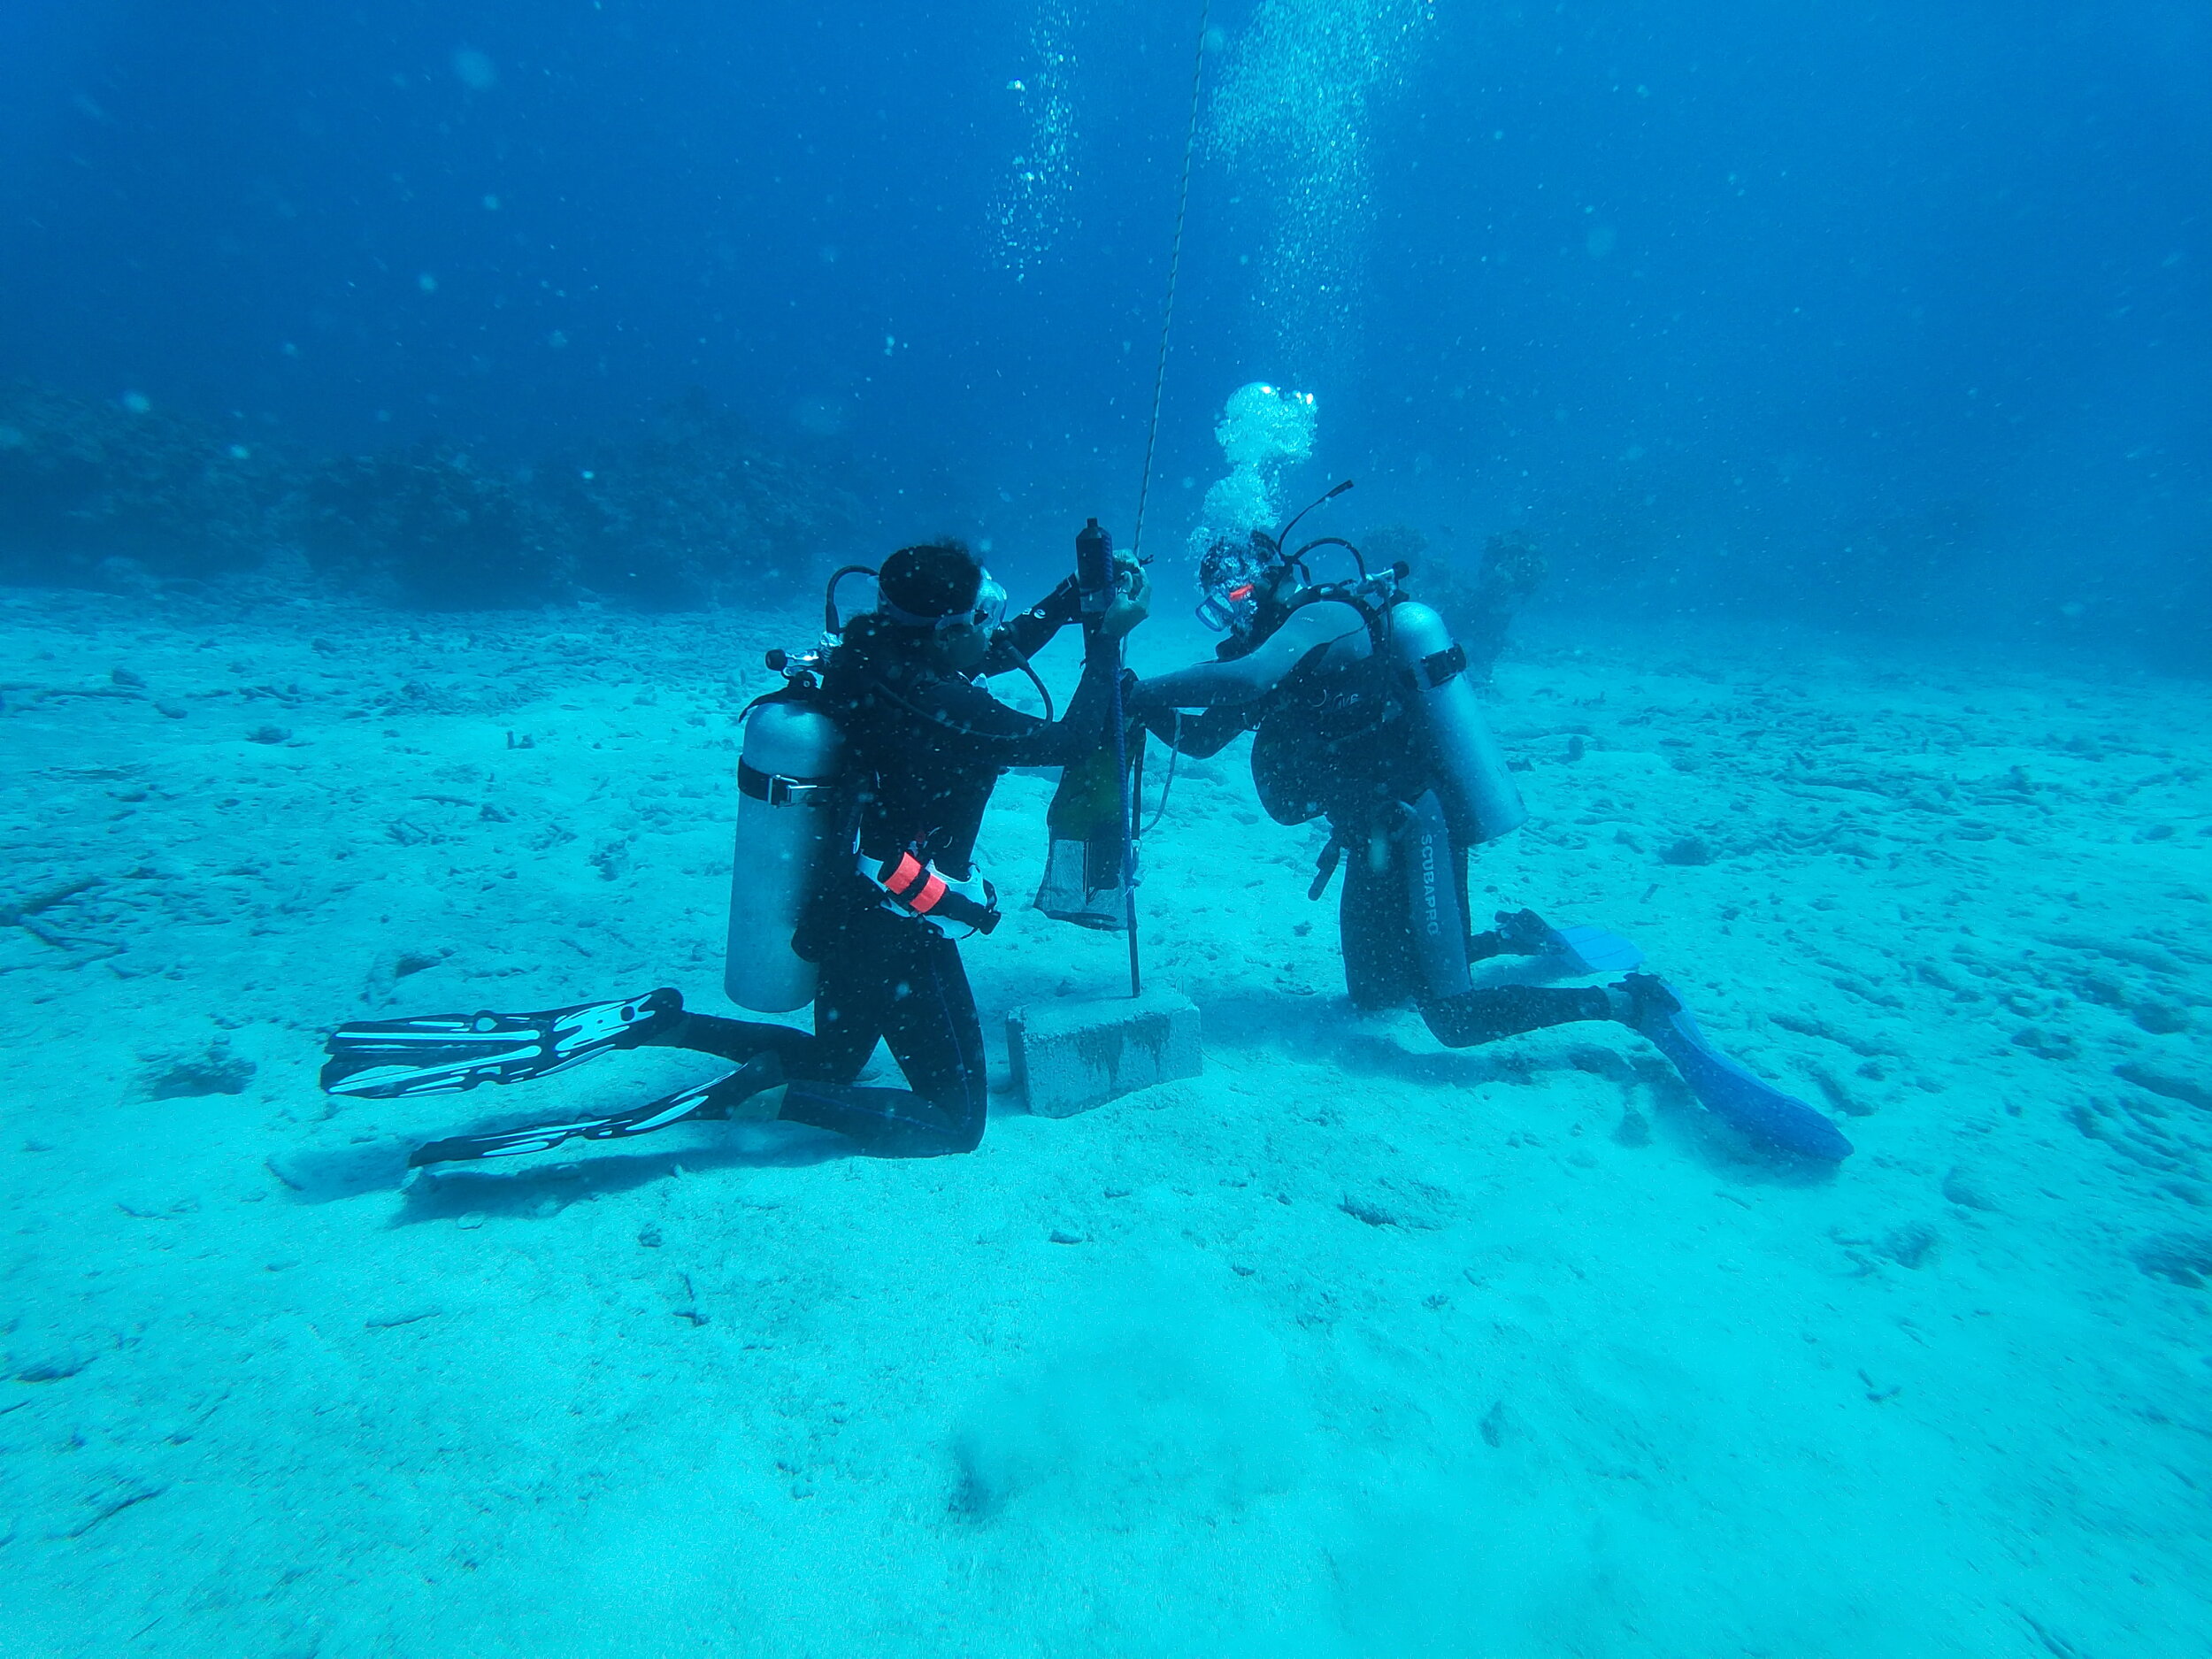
x,y
1071,1056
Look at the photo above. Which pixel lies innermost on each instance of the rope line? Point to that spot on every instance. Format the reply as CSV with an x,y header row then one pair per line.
x,y
1174,269
1167,789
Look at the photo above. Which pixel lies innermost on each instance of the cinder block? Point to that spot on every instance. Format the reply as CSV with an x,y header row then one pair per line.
x,y
1069,1056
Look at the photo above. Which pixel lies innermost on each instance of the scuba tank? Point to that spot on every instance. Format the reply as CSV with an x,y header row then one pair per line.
x,y
1469,767
788,825
791,827
1478,795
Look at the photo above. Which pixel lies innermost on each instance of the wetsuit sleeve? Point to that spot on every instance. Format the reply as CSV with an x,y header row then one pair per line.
x,y
1246,679
1029,632
993,733
1204,734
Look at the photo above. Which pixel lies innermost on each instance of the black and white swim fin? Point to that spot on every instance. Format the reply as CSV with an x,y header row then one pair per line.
x,y
707,1100
437,1053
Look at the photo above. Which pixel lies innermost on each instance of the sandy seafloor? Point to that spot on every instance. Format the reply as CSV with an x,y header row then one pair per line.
x,y
1364,1347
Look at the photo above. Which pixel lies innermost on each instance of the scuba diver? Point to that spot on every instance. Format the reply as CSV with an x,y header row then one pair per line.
x,y
862,783
1363,716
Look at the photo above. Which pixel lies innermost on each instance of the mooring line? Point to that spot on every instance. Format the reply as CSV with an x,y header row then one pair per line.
x,y
1174,269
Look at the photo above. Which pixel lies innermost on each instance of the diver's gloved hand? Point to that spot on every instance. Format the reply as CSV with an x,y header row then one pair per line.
x,y
1132,605
1062,607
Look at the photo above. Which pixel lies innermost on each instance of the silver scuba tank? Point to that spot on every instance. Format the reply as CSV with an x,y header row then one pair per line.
x,y
787,833
1470,768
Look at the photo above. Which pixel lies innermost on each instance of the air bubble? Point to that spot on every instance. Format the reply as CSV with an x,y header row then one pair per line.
x,y
1261,430
1032,208
1292,111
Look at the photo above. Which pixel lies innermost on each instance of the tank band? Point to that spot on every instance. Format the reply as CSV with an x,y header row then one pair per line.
x,y
1440,666
774,787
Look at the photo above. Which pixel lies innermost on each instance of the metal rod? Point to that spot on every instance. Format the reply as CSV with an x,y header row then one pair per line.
x,y
1128,834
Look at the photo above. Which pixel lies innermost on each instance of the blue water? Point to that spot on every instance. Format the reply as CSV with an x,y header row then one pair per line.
x,y
415,422
1875,317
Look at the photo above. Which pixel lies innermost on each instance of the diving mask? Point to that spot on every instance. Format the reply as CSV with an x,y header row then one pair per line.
x,y
1234,576
987,612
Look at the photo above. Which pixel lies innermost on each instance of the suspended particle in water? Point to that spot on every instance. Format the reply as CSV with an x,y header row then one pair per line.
x,y
476,71
819,416
137,403
427,283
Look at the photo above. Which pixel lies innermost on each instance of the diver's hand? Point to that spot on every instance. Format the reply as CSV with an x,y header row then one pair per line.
x,y
1131,606
1063,606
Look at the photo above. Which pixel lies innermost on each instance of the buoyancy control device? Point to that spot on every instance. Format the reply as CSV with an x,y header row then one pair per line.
x,y
1308,748
1334,736
794,827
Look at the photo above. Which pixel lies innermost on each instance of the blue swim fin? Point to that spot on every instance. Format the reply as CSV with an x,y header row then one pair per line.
x,y
1593,950
1568,950
1727,1090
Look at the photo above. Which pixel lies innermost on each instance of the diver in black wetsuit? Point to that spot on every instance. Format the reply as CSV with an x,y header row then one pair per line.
x,y
1361,712
1362,716
923,745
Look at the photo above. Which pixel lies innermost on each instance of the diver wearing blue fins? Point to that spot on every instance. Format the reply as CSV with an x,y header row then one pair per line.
x,y
1363,716
863,783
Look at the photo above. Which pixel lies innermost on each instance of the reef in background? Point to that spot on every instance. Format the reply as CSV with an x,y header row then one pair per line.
x,y
105,495
697,511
